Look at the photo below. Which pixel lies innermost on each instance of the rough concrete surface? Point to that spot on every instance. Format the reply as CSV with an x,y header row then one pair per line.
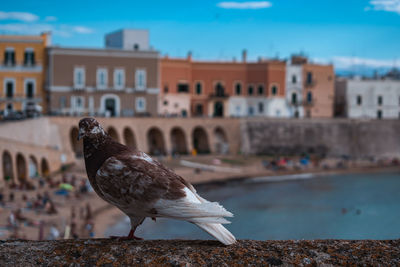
x,y
107,252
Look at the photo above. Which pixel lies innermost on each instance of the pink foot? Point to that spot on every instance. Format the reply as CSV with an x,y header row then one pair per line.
x,y
131,236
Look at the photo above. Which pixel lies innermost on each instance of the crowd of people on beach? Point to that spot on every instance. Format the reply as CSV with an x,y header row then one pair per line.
x,y
34,206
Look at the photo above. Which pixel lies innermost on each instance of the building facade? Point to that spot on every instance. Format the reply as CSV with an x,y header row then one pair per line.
x,y
294,89
22,68
103,82
222,89
374,99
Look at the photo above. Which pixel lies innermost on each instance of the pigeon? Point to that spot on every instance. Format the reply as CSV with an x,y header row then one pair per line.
x,y
142,187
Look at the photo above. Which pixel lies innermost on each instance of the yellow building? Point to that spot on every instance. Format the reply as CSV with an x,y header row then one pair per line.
x,y
22,74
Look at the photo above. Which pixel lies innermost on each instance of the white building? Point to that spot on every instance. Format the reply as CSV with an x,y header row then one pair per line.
x,y
371,98
128,39
294,90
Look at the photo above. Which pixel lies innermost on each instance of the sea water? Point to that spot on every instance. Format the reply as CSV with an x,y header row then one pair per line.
x,y
353,206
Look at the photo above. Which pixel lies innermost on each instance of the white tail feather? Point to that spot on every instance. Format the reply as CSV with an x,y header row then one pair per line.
x,y
219,232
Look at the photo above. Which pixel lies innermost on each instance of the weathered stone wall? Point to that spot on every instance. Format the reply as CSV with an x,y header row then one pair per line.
x,y
333,137
107,252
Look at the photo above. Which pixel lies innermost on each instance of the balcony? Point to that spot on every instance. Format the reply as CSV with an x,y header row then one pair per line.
x,y
308,103
21,98
218,95
311,83
12,66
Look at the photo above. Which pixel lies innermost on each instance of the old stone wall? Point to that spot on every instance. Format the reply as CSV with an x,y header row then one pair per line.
x,y
107,252
332,137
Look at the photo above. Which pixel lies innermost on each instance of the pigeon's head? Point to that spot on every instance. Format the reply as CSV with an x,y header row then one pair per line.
x,y
90,128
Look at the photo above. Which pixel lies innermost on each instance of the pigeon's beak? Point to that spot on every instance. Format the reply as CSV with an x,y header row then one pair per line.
x,y
80,134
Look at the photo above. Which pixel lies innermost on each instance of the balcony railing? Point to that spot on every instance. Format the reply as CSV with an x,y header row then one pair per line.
x,y
20,98
311,83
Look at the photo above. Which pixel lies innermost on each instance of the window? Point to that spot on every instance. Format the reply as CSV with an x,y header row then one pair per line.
x,y
309,78
380,100
140,79
77,102
251,111
63,102
183,88
250,90
119,79
165,103
238,89
102,78
294,98
166,89
260,108
184,113
260,90
136,47
199,109
219,90
198,88
140,104
10,85
359,100
274,90
9,56
379,114
294,79
29,88
79,77
29,57
309,97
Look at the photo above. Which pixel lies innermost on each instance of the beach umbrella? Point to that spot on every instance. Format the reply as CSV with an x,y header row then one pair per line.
x,y
66,187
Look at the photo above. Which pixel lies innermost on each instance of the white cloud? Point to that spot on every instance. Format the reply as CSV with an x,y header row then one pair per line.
x,y
50,18
22,16
37,28
347,62
385,5
245,5
82,30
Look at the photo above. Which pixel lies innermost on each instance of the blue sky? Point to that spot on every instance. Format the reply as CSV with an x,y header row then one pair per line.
x,y
355,32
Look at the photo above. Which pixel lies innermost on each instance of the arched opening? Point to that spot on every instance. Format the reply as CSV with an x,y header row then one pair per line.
x,y
129,138
33,170
200,141
44,165
155,141
8,173
21,168
218,109
110,105
221,141
178,141
77,146
113,133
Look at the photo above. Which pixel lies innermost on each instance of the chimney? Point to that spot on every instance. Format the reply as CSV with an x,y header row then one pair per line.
x,y
189,56
244,55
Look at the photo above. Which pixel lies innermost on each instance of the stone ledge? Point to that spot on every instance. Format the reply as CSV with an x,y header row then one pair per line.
x,y
107,252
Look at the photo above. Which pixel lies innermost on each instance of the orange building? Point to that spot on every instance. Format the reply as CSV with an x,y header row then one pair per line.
x,y
220,89
319,90
22,74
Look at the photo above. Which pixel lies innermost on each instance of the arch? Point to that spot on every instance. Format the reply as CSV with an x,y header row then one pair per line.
x,y
155,141
21,168
113,133
44,166
33,168
221,141
178,141
110,105
200,140
76,146
129,138
8,172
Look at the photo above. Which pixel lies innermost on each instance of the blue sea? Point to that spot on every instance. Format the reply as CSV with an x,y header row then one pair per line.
x,y
353,206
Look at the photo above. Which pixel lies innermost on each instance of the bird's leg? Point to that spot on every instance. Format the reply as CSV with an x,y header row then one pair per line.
x,y
131,236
